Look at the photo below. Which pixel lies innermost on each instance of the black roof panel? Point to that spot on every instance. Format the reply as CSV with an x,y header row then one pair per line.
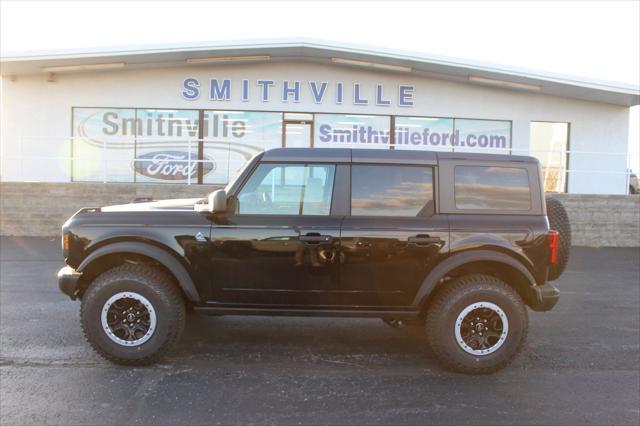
x,y
395,156
485,157
382,156
323,155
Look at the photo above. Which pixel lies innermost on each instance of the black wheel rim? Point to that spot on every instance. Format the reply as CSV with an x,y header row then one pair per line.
x,y
481,328
128,319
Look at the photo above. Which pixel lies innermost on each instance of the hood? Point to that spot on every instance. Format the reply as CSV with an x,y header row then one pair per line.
x,y
159,205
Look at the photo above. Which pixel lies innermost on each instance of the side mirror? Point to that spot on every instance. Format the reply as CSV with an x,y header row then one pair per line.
x,y
218,201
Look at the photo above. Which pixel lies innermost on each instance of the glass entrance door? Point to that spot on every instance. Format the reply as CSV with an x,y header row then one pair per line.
x,y
297,134
548,141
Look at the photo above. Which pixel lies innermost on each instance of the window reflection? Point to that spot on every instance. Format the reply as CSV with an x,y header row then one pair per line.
x,y
492,188
391,191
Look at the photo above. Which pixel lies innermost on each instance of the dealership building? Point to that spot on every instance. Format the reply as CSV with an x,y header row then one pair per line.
x,y
194,113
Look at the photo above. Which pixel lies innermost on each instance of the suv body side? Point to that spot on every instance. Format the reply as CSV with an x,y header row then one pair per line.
x,y
336,262
379,262
329,261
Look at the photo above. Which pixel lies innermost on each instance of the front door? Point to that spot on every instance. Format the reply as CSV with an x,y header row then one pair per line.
x,y
280,246
393,237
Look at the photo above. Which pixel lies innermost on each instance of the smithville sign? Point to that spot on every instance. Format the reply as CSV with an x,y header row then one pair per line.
x,y
291,91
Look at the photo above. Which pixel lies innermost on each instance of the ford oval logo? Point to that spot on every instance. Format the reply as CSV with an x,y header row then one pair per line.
x,y
172,165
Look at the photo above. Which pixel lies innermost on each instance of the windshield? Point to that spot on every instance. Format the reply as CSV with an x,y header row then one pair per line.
x,y
238,173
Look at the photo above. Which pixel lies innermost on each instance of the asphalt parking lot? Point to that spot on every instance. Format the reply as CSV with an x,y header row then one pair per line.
x,y
581,365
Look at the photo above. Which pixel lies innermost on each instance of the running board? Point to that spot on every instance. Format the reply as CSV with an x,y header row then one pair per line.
x,y
340,313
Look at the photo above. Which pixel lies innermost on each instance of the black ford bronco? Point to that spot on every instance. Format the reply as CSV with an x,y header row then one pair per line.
x,y
459,244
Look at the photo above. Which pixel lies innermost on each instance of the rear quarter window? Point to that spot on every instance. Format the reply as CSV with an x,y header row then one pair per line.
x,y
491,188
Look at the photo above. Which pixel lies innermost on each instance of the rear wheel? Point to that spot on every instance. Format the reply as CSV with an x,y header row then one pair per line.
x,y
132,314
476,324
559,221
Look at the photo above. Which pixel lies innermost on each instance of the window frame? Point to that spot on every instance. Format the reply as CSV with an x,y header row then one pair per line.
x,y
434,184
447,178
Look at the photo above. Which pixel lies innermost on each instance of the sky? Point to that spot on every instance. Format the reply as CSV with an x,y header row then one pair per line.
x,y
599,40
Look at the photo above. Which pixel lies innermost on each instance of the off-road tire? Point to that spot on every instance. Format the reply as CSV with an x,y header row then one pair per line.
x,y
158,288
451,300
559,221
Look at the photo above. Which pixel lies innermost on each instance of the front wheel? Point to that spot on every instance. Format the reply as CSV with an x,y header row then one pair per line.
x,y
476,324
132,314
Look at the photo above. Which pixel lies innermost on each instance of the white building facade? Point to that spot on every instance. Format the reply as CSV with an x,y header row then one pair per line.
x,y
195,114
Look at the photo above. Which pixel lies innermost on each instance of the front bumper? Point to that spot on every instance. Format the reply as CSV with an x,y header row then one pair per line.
x,y
68,280
546,297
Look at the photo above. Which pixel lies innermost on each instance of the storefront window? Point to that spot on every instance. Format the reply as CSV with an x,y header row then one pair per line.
x,y
231,138
167,146
487,136
424,133
135,145
351,131
548,143
211,146
103,144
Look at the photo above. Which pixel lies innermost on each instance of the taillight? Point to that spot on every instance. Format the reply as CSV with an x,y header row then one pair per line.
x,y
552,238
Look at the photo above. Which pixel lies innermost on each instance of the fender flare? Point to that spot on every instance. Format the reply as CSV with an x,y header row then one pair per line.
x,y
162,256
460,259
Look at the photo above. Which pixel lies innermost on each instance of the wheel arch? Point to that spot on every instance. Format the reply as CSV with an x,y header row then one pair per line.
x,y
109,255
490,262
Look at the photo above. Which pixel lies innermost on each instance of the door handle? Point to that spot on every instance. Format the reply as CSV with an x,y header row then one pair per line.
x,y
316,238
424,240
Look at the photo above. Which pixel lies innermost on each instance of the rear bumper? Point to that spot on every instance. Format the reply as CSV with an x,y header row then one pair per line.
x,y
68,280
546,297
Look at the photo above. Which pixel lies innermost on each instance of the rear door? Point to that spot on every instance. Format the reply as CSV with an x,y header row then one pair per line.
x,y
393,237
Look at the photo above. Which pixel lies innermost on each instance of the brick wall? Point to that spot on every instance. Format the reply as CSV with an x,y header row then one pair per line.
x,y
40,209
603,220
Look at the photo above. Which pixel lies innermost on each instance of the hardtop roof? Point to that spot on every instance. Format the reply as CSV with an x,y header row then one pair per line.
x,y
382,156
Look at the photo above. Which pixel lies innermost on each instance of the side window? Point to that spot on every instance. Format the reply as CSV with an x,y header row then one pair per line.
x,y
391,191
491,188
288,189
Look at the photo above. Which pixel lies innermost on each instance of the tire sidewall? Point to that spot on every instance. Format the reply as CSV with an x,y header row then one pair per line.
x,y
516,316
93,303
